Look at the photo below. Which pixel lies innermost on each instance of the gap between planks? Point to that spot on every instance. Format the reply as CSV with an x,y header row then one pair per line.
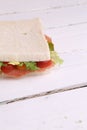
x,y
50,92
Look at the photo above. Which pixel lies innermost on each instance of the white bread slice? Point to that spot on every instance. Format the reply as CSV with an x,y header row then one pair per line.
x,y
23,41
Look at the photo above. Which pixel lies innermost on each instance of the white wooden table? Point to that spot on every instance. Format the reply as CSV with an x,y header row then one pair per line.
x,y
66,23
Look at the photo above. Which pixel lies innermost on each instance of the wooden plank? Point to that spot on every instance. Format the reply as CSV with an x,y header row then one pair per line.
x,y
64,16
28,5
60,111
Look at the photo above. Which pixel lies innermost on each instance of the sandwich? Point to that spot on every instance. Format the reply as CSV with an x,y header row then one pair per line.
x,y
24,49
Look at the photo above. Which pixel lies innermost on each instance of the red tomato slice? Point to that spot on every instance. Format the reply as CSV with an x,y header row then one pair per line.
x,y
48,38
13,71
5,63
45,64
7,68
17,73
23,67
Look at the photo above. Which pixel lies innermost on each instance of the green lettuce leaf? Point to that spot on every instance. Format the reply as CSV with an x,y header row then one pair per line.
x,y
55,58
31,66
51,46
1,64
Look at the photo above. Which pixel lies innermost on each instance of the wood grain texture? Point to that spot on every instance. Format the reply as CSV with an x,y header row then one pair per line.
x,y
29,5
56,112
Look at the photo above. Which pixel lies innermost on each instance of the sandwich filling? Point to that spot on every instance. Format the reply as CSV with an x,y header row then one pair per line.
x,y
17,69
